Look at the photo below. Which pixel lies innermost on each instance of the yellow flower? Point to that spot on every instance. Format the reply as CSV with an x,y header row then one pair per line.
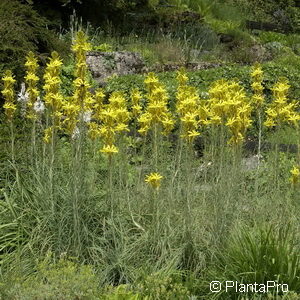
x,y
192,134
121,127
109,150
47,135
168,124
257,72
135,97
93,130
136,110
294,118
269,123
182,77
143,130
154,180
295,179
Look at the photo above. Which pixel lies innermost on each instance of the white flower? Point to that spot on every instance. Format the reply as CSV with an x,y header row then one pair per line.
x,y
204,95
76,133
39,105
87,116
23,96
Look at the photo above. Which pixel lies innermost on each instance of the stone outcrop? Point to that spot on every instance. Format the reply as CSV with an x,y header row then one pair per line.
x,y
105,64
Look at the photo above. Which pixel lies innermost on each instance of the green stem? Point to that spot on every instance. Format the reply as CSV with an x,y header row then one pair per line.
x,y
259,136
142,160
189,166
110,185
155,148
13,157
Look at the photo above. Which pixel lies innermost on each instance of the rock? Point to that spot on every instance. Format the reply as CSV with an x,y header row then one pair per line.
x,y
171,67
251,163
296,48
226,38
106,64
258,53
274,48
262,26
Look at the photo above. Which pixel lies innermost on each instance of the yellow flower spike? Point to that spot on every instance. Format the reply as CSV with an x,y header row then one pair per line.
x,y
47,135
81,95
9,95
229,106
53,98
295,178
182,77
154,180
135,96
151,80
80,44
257,73
109,150
31,80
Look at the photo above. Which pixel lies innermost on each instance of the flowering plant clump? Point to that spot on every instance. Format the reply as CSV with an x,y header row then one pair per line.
x,y
281,111
114,118
107,169
229,106
187,107
156,112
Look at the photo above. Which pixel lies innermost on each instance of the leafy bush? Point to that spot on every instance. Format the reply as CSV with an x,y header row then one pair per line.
x,y
103,47
284,39
22,29
260,254
122,292
285,13
158,286
64,279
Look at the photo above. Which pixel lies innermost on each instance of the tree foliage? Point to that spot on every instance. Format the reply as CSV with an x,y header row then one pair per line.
x,y
22,30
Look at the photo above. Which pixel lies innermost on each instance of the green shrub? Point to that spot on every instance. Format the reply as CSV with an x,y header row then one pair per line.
x,y
122,292
103,48
64,279
22,30
158,286
260,254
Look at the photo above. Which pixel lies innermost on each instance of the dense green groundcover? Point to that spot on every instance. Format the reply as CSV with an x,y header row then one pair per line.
x,y
202,79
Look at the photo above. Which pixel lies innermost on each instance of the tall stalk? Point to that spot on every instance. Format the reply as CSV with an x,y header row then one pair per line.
x,y
155,146
13,154
259,137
